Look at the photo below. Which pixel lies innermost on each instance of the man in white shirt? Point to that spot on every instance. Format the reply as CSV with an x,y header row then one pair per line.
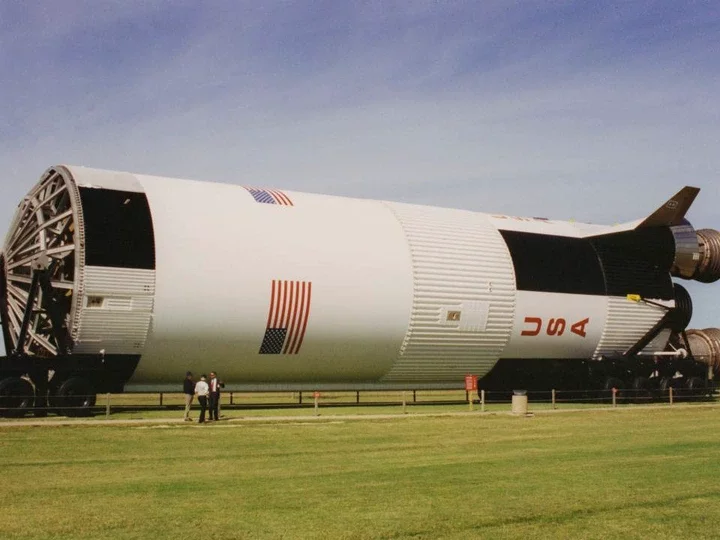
x,y
201,391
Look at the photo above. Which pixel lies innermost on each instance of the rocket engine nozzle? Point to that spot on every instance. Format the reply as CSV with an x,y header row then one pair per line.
x,y
705,346
697,253
708,267
681,314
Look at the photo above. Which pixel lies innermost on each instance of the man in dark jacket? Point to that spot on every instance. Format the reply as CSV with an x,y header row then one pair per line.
x,y
215,385
189,392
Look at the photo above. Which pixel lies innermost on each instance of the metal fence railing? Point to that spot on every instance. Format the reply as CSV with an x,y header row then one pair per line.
x,y
109,404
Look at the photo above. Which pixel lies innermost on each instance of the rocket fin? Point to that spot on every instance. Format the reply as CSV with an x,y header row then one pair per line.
x,y
673,211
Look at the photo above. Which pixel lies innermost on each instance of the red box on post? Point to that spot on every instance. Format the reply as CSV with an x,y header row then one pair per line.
x,y
470,383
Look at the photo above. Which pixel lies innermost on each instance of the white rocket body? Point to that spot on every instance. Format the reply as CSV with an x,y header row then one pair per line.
x,y
368,292
128,281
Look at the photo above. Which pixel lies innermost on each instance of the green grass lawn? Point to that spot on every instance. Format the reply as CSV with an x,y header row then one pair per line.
x,y
629,473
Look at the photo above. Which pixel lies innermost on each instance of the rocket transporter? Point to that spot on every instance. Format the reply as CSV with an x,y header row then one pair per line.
x,y
112,281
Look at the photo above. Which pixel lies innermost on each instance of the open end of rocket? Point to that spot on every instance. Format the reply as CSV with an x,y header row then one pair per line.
x,y
42,234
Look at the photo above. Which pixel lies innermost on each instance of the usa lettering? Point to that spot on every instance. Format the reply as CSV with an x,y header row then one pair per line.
x,y
534,326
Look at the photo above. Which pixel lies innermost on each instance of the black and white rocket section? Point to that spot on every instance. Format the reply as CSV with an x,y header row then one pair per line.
x,y
127,281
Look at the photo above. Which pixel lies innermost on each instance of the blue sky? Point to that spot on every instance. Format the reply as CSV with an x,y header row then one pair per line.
x,y
596,111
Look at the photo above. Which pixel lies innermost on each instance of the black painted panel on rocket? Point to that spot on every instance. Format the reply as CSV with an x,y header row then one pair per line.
x,y
631,262
118,229
558,264
638,262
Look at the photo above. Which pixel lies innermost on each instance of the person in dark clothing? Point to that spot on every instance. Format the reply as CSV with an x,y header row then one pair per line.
x,y
202,391
215,386
189,392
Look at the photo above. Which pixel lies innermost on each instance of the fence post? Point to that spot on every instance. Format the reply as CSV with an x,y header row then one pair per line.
x,y
357,396
404,403
161,397
614,397
300,397
107,406
482,400
231,398
554,404
316,395
671,394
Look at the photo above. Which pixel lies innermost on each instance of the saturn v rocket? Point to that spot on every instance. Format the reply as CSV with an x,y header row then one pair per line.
x,y
116,280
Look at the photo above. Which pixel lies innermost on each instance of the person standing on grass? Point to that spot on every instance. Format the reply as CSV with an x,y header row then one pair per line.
x,y
201,391
189,391
215,386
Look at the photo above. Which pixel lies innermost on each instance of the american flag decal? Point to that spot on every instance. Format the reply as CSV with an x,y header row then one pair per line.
x,y
287,317
269,196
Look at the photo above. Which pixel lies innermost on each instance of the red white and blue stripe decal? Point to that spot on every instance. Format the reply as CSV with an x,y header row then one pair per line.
x,y
269,196
287,317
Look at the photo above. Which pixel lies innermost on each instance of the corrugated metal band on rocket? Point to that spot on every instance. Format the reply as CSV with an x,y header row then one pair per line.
x,y
287,317
631,262
269,196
